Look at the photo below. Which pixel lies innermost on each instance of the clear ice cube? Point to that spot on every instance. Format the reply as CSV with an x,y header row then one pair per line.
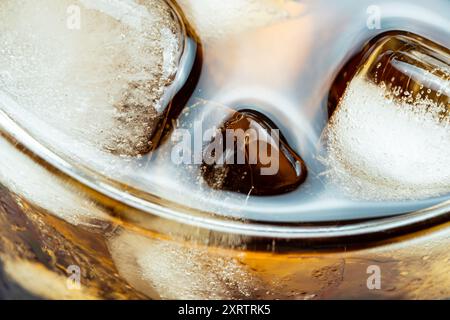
x,y
389,137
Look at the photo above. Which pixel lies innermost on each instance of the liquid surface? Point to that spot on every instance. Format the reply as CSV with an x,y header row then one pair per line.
x,y
109,128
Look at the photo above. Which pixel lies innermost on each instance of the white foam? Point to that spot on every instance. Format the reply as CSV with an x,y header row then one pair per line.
x,y
380,148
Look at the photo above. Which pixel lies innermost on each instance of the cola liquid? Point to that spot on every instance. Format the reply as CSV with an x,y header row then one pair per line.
x,y
106,189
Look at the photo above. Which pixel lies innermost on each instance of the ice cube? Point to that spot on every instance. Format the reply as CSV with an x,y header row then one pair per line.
x,y
256,162
216,19
94,69
170,270
389,137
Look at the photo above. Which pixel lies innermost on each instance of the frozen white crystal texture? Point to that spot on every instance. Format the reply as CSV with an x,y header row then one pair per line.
x,y
95,70
383,148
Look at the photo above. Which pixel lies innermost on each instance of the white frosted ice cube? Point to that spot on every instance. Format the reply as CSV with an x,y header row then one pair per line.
x,y
100,80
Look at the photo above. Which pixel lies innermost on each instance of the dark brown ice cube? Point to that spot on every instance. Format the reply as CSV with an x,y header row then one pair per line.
x,y
249,157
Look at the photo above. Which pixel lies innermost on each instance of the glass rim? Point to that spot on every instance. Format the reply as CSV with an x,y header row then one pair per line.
x,y
222,224
204,219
